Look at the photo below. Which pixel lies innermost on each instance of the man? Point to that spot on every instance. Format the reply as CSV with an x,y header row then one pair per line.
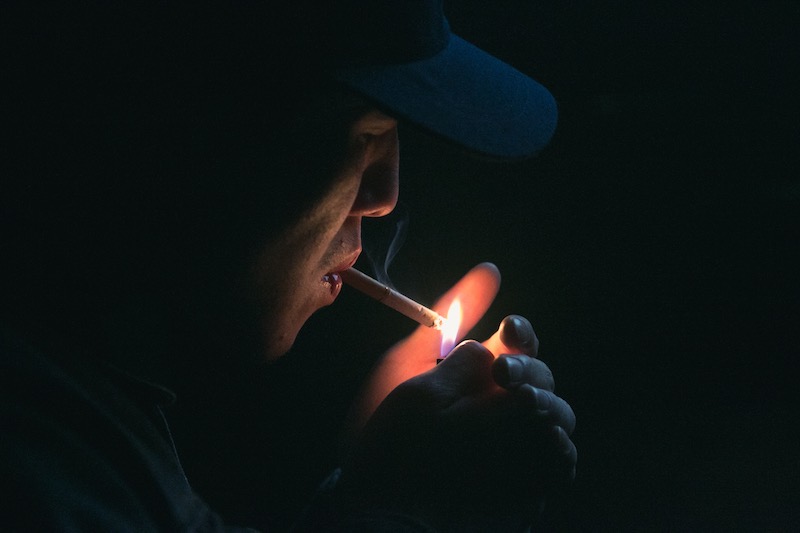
x,y
186,186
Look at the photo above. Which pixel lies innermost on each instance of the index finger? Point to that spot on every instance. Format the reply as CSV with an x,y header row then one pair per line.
x,y
512,371
514,336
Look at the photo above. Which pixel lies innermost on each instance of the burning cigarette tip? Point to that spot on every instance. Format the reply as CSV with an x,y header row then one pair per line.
x,y
393,299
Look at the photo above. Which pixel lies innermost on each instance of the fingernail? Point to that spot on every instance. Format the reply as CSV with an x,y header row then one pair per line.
x,y
522,331
517,331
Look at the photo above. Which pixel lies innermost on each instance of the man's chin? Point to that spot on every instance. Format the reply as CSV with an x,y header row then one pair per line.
x,y
277,341
276,348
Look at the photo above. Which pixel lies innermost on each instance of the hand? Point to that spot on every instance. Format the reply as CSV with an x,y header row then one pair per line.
x,y
417,353
477,438
453,448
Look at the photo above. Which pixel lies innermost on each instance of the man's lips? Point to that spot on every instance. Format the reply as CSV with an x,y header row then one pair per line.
x,y
333,276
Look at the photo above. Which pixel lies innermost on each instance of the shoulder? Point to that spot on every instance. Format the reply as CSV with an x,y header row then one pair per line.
x,y
82,449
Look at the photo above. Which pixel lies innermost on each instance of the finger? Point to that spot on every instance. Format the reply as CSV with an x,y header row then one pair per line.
x,y
511,371
546,407
565,454
515,335
417,353
466,370
476,291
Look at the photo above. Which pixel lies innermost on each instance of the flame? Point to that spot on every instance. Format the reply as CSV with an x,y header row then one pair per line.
x,y
450,327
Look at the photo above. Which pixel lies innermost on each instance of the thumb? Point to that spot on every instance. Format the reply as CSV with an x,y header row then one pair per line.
x,y
514,336
467,369
476,290
417,353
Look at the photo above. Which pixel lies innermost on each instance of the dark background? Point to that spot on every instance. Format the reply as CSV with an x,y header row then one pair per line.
x,y
653,245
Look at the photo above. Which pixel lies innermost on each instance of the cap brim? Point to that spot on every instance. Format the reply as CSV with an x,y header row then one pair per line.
x,y
465,95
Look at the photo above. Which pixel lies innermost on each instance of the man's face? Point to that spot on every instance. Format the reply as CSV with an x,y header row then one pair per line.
x,y
296,274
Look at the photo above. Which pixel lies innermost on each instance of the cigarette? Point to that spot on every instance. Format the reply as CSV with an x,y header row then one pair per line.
x,y
391,298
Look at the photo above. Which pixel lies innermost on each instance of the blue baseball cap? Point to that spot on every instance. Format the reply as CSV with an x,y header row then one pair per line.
x,y
158,59
402,55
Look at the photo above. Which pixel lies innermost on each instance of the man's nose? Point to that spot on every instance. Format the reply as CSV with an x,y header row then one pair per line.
x,y
377,195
